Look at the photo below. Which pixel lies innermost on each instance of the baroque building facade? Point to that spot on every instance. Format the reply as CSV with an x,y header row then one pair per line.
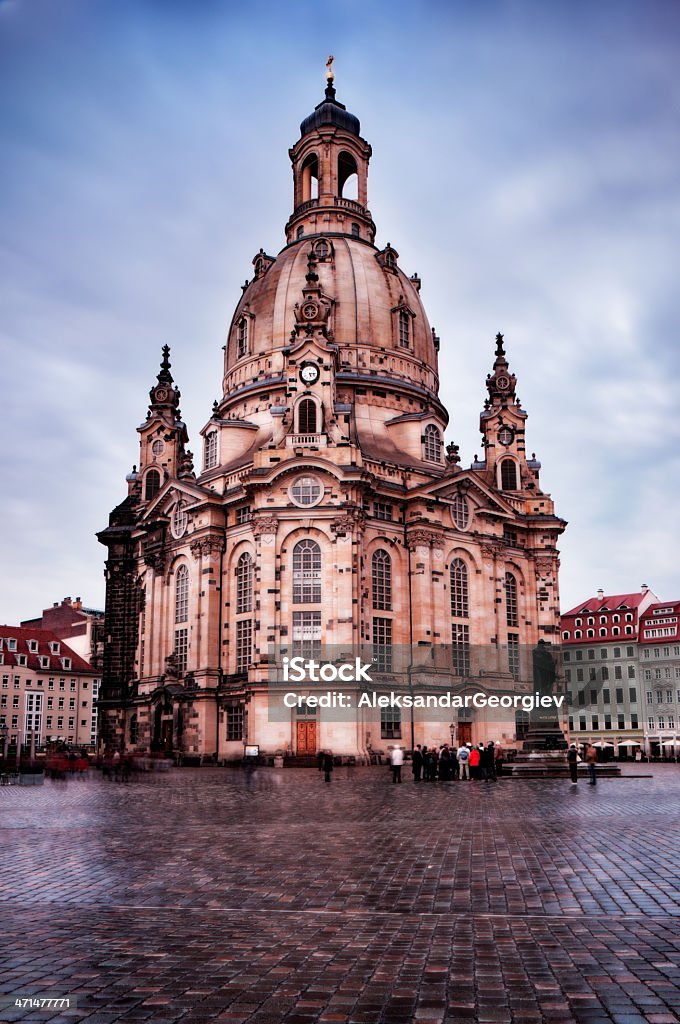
x,y
327,509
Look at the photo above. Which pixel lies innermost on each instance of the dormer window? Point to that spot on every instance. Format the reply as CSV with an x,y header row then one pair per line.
x,y
242,338
55,646
33,646
390,260
404,329
21,659
210,456
508,475
11,643
577,634
579,622
432,444
152,484
65,662
565,634
591,621
44,661
603,619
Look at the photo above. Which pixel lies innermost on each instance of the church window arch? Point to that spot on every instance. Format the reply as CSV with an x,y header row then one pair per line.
x,y
307,572
355,231
404,329
182,594
508,475
460,599
306,491
152,484
348,176
511,603
210,450
244,583
381,575
242,337
310,178
432,444
308,416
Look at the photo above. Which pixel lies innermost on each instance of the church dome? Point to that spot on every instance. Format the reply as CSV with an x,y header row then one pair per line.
x,y
376,317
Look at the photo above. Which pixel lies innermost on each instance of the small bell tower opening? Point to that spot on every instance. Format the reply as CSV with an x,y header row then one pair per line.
x,y
348,177
309,178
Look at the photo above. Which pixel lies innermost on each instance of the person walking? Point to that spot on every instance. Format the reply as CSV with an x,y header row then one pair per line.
x,y
396,761
464,762
591,760
417,763
326,765
572,761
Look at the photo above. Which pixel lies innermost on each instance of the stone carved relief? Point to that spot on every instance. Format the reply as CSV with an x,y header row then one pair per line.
x,y
492,549
207,547
425,539
546,566
265,526
353,518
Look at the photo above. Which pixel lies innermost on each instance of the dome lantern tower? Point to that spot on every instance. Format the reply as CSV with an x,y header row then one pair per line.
x,y
330,160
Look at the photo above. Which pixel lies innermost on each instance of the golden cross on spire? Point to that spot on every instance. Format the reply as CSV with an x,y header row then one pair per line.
x,y
329,69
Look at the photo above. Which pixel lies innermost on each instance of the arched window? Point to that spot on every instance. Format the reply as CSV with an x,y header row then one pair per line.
x,y
460,511
210,457
307,416
244,584
307,572
310,178
460,605
432,444
511,610
381,565
182,594
152,484
241,338
508,475
404,328
348,181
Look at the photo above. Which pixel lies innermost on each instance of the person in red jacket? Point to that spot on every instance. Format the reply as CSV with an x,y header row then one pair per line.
x,y
474,762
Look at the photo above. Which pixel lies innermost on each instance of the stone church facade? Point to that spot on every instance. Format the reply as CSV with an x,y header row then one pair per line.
x,y
327,509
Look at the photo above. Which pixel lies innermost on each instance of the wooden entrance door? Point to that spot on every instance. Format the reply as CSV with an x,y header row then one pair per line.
x,y
464,733
306,738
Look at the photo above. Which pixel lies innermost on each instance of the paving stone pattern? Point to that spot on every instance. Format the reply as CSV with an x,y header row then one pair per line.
x,y
208,895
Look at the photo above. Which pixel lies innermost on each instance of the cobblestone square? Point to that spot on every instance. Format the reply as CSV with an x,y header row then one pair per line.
x,y
214,895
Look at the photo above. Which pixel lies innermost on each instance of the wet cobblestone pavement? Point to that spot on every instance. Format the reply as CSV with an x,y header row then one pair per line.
x,y
208,895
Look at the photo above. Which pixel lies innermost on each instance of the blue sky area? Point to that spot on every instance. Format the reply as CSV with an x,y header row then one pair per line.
x,y
525,164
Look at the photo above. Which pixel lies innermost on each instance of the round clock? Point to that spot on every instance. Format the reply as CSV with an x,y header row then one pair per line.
x,y
310,310
161,394
505,435
502,383
309,373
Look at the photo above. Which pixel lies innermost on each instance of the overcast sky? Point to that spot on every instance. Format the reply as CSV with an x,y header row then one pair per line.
x,y
526,162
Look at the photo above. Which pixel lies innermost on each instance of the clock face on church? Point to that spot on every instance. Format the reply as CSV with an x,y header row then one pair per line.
x,y
309,373
505,435
502,383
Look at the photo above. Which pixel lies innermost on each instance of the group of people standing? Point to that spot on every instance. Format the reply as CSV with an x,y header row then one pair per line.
x,y
445,763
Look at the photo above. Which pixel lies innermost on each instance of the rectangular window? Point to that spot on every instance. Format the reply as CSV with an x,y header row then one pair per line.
x,y
649,697
460,649
631,671
579,655
607,721
582,722
621,722
404,325
15,700
634,721
579,675
662,722
5,682
617,652
72,704
306,634
605,672
606,698
181,649
619,695
61,702
513,654
659,696
582,698
390,723
593,696
571,724
210,450
381,510
591,655
242,514
235,722
382,644
567,675
618,672
671,721
648,674
244,644
596,722
592,674
650,723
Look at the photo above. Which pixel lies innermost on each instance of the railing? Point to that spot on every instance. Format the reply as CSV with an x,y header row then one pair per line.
x,y
306,440
342,204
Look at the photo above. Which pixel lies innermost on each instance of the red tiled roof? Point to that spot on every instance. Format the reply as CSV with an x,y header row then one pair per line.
x,y
44,636
648,620
611,603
